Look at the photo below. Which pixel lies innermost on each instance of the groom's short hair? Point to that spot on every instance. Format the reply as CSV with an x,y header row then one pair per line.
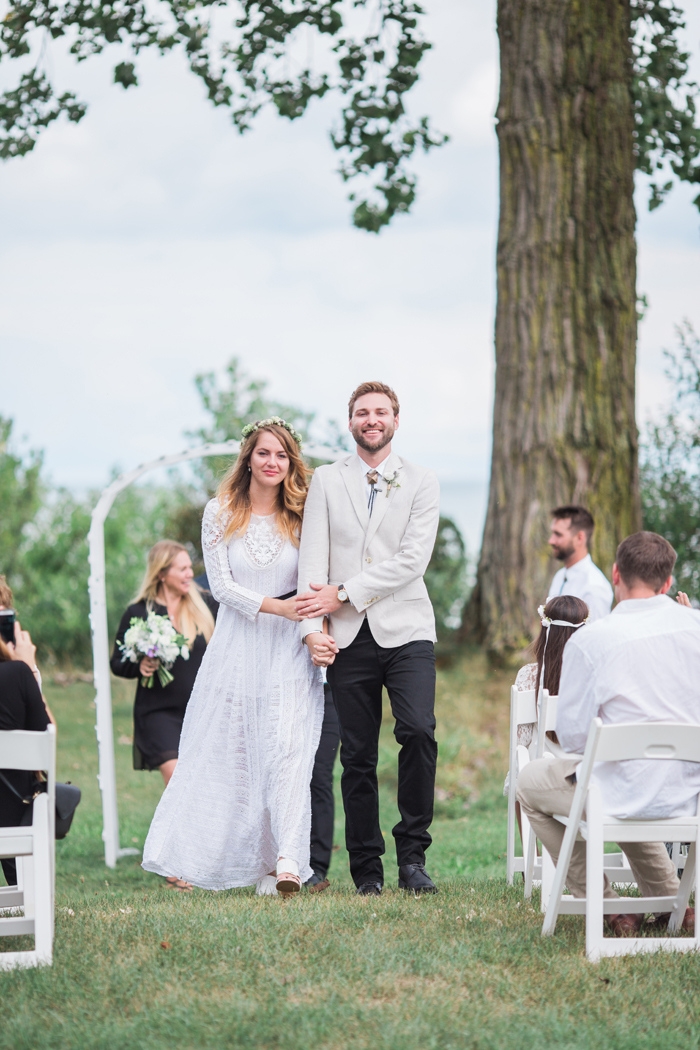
x,y
373,387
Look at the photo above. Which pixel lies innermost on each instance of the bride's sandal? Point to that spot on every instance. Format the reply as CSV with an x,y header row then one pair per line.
x,y
181,885
288,881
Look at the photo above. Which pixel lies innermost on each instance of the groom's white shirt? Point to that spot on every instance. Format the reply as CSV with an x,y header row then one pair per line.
x,y
380,559
365,468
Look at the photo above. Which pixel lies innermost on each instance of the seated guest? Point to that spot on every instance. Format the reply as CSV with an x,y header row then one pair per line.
x,y
570,539
21,707
562,616
640,664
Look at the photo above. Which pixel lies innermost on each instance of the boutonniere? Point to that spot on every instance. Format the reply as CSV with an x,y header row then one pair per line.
x,y
392,481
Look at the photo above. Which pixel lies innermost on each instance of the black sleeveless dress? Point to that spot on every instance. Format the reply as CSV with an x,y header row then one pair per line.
x,y
159,710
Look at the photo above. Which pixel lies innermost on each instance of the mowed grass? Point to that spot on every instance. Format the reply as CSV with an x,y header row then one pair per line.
x,y
137,965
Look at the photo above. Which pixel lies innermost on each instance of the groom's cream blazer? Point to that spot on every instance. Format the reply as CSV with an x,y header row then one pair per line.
x,y
380,559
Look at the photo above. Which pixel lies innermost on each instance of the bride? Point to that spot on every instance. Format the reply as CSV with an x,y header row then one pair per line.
x,y
237,811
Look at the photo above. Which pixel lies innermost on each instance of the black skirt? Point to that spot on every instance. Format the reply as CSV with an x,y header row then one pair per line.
x,y
159,711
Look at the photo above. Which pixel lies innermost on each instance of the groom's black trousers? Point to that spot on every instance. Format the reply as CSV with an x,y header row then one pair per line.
x,y
356,678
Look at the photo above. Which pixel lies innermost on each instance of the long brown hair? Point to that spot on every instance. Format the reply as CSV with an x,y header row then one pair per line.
x,y
564,607
195,615
233,493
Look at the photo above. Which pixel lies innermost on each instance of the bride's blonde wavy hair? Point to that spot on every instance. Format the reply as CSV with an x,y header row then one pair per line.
x,y
195,615
233,492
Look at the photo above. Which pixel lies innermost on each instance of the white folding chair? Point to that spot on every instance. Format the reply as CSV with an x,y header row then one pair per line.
x,y
616,864
534,866
523,710
34,848
616,743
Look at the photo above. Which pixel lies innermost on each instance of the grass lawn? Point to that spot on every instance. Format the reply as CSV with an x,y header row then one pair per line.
x,y
136,965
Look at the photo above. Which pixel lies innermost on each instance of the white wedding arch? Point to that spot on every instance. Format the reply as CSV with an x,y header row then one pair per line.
x,y
104,730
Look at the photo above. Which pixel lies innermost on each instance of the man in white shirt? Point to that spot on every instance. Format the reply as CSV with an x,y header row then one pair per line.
x,y
640,664
570,538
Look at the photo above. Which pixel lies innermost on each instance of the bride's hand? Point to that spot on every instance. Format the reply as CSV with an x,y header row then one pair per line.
x,y
683,599
323,661
278,607
288,609
322,647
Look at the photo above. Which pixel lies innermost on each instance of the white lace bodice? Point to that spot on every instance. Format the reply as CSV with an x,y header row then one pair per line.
x,y
262,563
263,542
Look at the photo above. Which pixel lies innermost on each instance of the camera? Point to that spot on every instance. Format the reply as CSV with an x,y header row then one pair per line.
x,y
7,625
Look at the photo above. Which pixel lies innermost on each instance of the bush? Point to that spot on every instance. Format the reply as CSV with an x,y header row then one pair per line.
x,y
670,464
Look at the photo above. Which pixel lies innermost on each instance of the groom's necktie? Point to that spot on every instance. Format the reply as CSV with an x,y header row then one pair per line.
x,y
373,478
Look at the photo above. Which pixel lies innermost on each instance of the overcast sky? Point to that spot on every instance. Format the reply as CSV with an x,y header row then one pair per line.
x,y
151,242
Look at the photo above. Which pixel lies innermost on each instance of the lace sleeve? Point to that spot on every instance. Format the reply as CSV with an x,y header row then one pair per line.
x,y
221,583
525,679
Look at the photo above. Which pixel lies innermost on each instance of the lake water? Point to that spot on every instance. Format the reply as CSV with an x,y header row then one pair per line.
x,y
465,502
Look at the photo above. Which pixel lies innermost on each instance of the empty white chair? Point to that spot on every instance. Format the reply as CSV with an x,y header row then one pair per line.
x,y
34,848
660,741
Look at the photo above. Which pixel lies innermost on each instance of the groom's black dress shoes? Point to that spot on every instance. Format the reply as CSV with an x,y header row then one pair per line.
x,y
415,877
369,889
317,883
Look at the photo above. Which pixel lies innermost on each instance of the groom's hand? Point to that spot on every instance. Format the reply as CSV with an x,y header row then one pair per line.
x,y
321,600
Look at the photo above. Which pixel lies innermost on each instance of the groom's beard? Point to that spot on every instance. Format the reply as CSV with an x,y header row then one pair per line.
x,y
378,443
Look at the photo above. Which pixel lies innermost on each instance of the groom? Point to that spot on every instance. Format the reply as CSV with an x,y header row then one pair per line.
x,y
369,527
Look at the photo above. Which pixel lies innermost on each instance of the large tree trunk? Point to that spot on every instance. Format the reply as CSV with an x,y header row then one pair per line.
x,y
564,424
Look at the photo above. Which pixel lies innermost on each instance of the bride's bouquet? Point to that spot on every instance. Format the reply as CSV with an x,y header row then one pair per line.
x,y
156,638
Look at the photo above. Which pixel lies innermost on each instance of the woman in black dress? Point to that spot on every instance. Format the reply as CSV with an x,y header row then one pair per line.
x,y
169,590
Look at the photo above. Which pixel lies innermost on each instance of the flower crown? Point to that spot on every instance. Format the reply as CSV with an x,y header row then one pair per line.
x,y
547,621
251,428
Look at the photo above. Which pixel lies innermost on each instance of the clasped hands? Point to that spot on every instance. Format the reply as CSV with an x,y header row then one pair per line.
x,y
321,600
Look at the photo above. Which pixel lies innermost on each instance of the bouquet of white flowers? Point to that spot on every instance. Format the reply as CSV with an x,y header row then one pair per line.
x,y
156,638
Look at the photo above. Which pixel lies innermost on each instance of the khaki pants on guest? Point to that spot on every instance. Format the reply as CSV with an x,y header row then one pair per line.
x,y
546,786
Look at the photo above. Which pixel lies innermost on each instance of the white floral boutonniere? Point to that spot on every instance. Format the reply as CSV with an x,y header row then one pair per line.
x,y
392,481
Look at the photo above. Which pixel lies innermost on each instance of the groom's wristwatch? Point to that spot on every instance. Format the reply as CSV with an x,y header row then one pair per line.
x,y
343,595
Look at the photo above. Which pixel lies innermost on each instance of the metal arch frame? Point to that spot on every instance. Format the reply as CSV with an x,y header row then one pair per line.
x,y
104,729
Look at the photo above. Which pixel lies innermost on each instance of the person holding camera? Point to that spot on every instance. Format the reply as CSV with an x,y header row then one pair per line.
x,y
22,706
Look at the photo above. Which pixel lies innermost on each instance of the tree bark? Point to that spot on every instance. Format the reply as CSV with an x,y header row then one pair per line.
x,y
564,426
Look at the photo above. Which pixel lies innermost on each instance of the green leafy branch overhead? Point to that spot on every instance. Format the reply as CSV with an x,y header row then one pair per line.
x,y
250,53
666,134
247,53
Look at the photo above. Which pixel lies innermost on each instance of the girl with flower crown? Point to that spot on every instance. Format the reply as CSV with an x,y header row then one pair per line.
x,y
560,617
237,811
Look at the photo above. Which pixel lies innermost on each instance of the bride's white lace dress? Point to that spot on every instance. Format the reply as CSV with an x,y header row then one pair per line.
x,y
240,796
